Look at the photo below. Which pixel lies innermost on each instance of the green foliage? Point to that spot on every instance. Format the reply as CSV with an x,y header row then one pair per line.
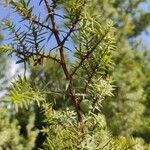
x,y
62,132
125,111
10,128
10,137
129,96
21,93
76,90
3,77
94,44
4,48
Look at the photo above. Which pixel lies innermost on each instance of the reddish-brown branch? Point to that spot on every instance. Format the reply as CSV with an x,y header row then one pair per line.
x,y
56,34
88,54
63,64
90,77
39,54
71,90
32,18
72,28
60,44
40,24
51,15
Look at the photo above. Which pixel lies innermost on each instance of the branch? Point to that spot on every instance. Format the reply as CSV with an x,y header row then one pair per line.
x,y
71,29
88,54
27,53
91,76
51,15
29,17
130,146
39,23
76,20
71,89
105,144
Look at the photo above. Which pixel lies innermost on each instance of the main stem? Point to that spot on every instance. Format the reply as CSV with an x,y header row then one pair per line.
x,y
60,43
71,89
71,93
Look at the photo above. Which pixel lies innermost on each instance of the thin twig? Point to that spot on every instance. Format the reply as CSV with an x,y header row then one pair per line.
x,y
51,15
39,54
88,54
71,89
105,145
91,76
130,146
